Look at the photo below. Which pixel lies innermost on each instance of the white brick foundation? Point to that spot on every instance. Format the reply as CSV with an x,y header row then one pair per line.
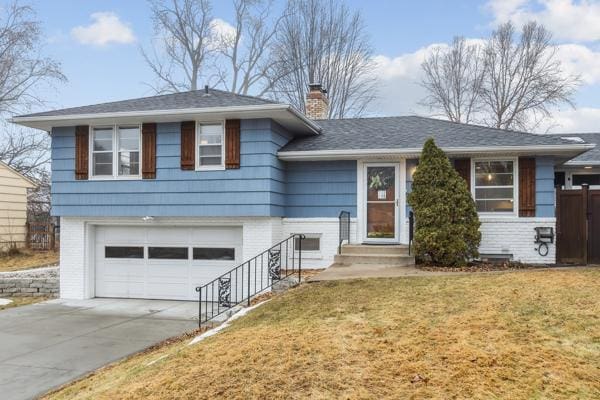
x,y
327,229
77,244
515,236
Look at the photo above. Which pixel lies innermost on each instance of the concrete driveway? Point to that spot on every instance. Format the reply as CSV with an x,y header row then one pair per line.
x,y
45,345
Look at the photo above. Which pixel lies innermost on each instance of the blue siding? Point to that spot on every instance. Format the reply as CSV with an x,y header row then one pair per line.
x,y
256,189
320,189
544,187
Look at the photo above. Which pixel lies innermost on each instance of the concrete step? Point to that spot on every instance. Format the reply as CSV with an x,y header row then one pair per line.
x,y
375,249
376,259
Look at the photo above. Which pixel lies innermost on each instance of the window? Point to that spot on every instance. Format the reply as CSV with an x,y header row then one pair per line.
x,y
102,151
312,243
590,179
116,151
214,253
168,253
123,252
210,153
494,186
129,150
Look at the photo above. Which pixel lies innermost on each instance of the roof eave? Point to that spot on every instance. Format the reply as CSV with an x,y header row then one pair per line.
x,y
47,122
562,150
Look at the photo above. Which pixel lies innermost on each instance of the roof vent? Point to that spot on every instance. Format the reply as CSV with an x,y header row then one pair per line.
x,y
206,92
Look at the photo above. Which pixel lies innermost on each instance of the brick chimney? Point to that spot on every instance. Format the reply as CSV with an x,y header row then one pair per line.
x,y
317,103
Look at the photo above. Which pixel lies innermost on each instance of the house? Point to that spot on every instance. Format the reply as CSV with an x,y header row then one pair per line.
x,y
584,168
13,206
159,194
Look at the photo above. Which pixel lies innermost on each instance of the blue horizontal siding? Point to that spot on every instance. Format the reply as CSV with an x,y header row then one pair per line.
x,y
256,189
320,189
544,187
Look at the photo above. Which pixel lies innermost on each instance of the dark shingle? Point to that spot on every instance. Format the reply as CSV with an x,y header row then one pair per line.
x,y
410,132
592,155
174,101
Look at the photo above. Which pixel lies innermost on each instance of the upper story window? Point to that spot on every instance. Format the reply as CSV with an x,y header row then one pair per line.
x,y
494,188
210,152
115,151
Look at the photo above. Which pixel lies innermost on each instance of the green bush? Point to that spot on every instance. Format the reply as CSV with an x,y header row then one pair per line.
x,y
446,221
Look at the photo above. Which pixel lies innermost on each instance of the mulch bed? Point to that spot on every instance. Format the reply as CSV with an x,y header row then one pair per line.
x,y
483,267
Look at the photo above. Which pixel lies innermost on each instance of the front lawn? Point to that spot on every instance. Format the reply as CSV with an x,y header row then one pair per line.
x,y
28,259
533,334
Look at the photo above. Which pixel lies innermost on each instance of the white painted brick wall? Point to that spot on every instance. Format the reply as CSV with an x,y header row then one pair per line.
x,y
328,228
72,258
515,236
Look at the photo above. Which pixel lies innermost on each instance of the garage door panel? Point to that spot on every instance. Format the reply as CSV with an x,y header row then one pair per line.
x,y
160,278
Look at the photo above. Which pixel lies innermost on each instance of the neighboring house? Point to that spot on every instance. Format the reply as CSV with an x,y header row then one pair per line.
x,y
584,168
159,194
13,207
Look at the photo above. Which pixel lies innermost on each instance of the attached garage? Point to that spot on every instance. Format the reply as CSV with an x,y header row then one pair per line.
x,y
162,262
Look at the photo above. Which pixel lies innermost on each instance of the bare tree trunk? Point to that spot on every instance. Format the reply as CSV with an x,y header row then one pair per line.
x,y
322,41
247,51
184,46
453,79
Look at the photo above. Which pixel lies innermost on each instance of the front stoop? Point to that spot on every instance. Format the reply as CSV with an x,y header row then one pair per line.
x,y
370,261
376,255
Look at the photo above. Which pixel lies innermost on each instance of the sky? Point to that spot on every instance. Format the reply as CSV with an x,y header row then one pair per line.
x,y
98,44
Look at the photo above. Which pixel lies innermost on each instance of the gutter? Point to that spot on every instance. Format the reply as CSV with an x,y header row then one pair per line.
x,y
345,154
23,120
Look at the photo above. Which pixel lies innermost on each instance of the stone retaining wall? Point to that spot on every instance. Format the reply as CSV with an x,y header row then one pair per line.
x,y
27,287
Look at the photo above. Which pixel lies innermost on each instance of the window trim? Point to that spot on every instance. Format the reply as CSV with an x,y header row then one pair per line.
x,y
198,125
515,211
115,154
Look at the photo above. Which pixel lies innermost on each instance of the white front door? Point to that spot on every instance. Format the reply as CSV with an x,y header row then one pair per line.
x,y
381,202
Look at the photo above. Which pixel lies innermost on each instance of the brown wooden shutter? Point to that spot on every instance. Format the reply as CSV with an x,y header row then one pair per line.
x,y
526,187
82,149
463,167
188,145
232,143
149,151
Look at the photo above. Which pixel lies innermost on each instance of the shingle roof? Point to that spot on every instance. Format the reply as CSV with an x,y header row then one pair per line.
x,y
411,132
592,155
174,101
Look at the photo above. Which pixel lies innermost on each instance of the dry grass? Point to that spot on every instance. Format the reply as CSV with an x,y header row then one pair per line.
x,y
23,301
28,259
533,334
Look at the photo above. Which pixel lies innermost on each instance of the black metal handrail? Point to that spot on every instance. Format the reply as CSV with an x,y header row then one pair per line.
x,y
250,278
411,231
344,229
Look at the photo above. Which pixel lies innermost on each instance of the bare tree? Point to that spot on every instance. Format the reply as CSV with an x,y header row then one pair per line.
x,y
324,42
453,80
246,50
185,43
524,78
22,68
25,150
507,83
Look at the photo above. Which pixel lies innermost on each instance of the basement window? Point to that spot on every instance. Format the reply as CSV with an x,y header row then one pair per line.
x,y
309,243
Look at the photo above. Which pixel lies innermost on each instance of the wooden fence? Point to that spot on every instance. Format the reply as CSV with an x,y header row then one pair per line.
x,y
42,235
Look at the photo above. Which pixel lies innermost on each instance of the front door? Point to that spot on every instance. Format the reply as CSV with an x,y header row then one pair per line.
x,y
381,203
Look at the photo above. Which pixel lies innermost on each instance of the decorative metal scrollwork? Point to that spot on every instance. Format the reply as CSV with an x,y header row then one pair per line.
x,y
225,292
275,264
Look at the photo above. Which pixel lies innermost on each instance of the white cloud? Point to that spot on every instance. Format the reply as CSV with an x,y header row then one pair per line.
x,y
106,28
567,19
585,119
580,60
222,34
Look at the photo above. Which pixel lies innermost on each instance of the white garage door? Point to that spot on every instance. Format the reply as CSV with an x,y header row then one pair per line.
x,y
162,262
